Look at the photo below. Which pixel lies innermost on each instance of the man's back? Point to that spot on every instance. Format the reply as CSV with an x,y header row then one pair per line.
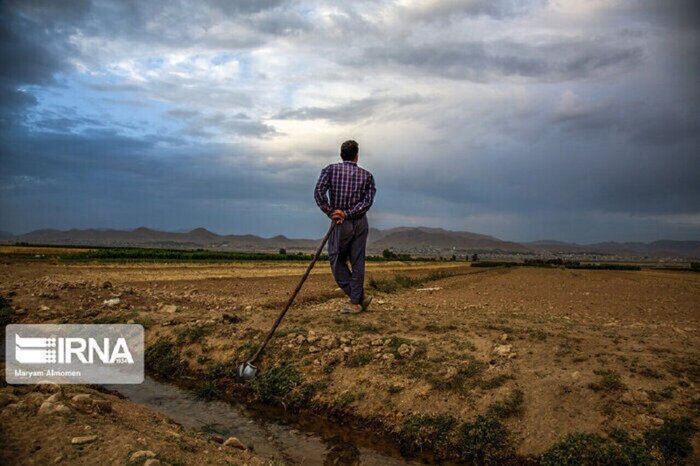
x,y
350,188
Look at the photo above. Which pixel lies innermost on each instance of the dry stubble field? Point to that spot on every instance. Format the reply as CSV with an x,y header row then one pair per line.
x,y
479,365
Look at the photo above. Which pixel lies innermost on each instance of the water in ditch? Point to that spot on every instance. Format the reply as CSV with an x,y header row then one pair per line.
x,y
297,439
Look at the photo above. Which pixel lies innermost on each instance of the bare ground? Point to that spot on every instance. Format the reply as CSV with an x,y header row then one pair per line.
x,y
564,351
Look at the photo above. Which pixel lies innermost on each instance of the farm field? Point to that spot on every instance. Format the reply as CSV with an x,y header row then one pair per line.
x,y
516,365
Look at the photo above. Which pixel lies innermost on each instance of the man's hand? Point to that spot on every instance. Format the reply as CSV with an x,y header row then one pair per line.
x,y
338,216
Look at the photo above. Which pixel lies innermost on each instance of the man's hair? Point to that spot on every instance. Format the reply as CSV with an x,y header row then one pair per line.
x,y
348,150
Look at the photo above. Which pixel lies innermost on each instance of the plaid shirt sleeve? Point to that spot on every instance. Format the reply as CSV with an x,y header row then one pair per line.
x,y
320,193
369,190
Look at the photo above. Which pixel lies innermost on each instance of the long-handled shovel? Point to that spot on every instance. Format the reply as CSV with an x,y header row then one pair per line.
x,y
247,370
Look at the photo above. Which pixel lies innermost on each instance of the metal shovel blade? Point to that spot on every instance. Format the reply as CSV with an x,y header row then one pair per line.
x,y
247,371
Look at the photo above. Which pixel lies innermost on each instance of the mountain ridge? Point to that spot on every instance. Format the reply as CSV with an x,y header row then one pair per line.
x,y
429,241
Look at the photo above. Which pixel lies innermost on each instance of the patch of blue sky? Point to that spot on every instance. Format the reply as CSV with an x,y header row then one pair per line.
x,y
98,102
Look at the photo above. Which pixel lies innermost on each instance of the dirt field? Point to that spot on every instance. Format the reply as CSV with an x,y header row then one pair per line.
x,y
482,365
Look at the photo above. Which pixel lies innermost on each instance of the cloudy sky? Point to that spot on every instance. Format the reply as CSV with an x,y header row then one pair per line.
x,y
562,119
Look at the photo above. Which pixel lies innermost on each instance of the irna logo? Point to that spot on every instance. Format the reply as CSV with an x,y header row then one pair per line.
x,y
68,350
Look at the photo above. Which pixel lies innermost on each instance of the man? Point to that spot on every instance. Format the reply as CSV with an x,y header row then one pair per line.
x,y
351,193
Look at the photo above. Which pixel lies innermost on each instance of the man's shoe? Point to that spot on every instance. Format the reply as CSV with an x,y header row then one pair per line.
x,y
351,309
366,301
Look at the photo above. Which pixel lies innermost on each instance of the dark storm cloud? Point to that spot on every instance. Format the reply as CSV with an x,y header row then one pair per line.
x,y
30,52
103,163
360,109
483,61
637,123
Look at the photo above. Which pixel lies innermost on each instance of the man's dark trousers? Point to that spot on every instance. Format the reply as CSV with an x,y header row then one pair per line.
x,y
348,241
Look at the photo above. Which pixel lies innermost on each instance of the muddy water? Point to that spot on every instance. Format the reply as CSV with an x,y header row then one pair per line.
x,y
306,440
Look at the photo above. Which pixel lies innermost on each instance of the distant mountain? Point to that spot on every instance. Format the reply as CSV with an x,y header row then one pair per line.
x,y
408,240
422,239
146,237
6,235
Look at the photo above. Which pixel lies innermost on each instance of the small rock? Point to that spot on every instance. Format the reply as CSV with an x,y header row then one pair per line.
x,y
234,443
504,337
111,302
44,308
83,440
60,408
106,285
82,402
55,398
450,373
45,408
152,462
58,459
249,308
313,349
377,342
502,350
406,351
575,375
169,308
47,387
637,348
141,454
103,406
300,339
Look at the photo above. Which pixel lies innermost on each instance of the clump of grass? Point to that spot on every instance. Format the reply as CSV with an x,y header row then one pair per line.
x,y
359,359
398,282
609,381
392,285
650,373
207,390
485,441
227,370
511,406
344,400
467,377
276,383
422,432
494,382
146,322
673,439
163,358
585,448
191,335
439,328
